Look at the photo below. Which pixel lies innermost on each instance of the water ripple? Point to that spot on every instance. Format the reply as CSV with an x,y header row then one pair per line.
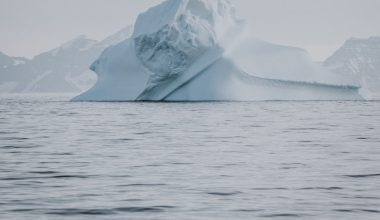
x,y
363,175
243,160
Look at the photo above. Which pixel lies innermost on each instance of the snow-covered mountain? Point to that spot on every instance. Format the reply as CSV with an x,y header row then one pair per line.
x,y
359,61
7,61
63,69
198,50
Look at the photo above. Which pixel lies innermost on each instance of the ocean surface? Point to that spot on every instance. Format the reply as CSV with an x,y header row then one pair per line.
x,y
178,161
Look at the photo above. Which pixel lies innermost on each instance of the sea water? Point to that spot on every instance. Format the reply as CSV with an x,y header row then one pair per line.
x,y
177,161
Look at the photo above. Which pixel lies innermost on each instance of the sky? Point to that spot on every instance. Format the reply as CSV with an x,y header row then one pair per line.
x,y
29,27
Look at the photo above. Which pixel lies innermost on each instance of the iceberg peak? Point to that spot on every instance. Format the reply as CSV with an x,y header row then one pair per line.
x,y
170,37
213,15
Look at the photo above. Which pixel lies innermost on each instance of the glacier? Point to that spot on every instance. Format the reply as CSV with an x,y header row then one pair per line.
x,y
199,50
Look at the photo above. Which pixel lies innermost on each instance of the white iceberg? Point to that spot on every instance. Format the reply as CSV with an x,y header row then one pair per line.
x,y
197,50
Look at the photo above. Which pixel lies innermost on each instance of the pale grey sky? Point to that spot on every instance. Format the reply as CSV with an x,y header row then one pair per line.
x,y
29,27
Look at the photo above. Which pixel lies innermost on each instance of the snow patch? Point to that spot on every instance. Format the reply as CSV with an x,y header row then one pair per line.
x,y
17,62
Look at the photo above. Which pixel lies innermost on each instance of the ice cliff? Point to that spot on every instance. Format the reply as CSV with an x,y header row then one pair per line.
x,y
197,50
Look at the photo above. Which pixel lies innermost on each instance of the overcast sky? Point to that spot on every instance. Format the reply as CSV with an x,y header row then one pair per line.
x,y
28,27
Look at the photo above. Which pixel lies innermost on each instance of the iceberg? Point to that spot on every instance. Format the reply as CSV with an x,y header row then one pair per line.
x,y
198,50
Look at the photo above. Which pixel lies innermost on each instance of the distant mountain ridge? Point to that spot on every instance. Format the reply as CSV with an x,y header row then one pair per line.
x,y
7,61
64,69
359,60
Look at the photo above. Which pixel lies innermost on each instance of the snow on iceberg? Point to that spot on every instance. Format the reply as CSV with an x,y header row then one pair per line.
x,y
197,50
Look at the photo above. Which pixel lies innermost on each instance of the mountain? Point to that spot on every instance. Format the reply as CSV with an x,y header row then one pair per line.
x,y
7,61
64,69
198,50
118,37
359,61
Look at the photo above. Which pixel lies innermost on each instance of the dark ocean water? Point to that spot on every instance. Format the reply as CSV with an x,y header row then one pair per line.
x,y
257,160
